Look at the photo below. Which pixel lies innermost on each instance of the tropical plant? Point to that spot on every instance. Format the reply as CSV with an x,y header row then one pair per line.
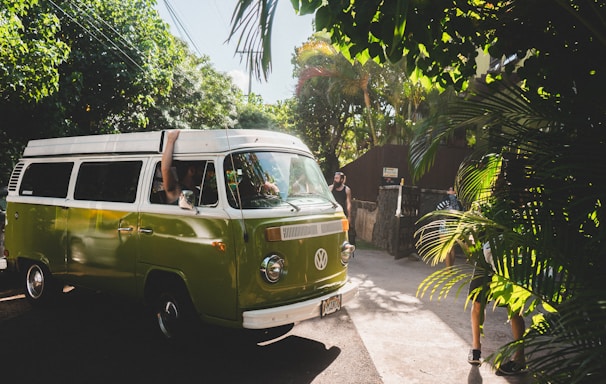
x,y
379,104
536,196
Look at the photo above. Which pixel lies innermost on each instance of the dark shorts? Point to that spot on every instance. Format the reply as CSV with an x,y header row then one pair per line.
x,y
481,279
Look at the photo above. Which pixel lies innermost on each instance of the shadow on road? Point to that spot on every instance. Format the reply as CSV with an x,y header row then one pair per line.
x,y
437,332
93,338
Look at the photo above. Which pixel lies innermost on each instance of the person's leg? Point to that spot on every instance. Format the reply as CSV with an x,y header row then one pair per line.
x,y
450,258
517,364
476,320
517,331
476,325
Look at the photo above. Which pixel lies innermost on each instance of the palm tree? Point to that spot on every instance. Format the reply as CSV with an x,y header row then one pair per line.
x,y
535,191
346,79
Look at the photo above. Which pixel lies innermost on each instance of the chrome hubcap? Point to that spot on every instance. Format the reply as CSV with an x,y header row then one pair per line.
x,y
35,282
167,316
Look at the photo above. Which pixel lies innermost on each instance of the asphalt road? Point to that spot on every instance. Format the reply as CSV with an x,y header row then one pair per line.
x,y
389,335
94,338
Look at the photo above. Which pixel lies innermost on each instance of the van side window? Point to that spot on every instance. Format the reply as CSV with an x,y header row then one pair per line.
x,y
204,178
108,181
46,179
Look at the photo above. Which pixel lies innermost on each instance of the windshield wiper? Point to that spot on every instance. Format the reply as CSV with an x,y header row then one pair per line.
x,y
309,194
292,205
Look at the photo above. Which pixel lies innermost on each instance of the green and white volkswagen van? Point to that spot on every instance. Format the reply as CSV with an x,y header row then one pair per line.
x,y
90,212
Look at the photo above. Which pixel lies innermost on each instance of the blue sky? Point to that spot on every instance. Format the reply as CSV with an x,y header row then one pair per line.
x,y
208,24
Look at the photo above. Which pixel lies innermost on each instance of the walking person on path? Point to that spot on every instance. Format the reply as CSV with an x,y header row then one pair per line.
x,y
342,194
481,280
450,202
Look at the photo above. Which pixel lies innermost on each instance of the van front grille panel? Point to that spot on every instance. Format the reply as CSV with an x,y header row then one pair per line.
x,y
302,231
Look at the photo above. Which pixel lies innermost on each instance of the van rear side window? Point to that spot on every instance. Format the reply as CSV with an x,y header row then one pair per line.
x,y
108,181
46,179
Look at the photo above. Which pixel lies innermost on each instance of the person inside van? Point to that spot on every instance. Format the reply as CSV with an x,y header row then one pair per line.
x,y
186,176
210,194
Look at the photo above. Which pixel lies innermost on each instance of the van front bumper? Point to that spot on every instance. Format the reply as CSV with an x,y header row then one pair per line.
x,y
293,313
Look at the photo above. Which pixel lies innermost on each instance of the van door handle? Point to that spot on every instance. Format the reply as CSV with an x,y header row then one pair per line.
x,y
147,231
125,229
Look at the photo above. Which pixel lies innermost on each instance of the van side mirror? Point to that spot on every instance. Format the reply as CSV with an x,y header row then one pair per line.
x,y
186,200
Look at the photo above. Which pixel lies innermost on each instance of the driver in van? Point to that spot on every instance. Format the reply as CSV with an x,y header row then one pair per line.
x,y
178,179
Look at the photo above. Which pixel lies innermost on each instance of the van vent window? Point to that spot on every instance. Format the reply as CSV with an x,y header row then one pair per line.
x,y
45,179
14,181
108,181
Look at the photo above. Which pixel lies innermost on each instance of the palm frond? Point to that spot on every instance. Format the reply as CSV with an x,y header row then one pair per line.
x,y
253,20
442,281
538,180
567,347
480,178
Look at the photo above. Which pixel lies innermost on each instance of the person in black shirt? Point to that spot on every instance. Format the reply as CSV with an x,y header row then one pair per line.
x,y
342,194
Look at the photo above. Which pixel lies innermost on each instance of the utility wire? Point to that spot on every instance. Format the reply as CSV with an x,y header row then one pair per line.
x,y
93,35
95,25
181,28
97,18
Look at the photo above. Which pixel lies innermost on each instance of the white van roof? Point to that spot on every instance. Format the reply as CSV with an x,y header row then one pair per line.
x,y
190,141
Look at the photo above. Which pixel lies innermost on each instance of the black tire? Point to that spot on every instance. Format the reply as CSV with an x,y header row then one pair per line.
x,y
174,313
41,289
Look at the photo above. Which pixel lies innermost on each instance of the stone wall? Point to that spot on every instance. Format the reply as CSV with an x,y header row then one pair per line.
x,y
365,217
377,223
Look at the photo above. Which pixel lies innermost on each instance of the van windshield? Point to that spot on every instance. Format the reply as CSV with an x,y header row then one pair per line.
x,y
274,179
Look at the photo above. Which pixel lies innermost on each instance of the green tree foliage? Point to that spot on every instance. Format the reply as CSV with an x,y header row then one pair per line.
x,y
30,51
200,97
319,60
254,114
121,57
328,101
380,99
323,126
441,38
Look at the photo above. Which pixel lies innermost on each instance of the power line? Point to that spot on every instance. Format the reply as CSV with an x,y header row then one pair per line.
x,y
97,18
181,28
91,23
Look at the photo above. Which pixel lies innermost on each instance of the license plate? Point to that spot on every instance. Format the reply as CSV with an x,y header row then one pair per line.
x,y
331,305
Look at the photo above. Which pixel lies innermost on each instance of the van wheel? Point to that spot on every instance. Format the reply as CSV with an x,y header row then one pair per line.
x,y
174,313
40,287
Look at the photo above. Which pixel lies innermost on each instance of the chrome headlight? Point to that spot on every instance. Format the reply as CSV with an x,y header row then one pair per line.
x,y
347,251
272,268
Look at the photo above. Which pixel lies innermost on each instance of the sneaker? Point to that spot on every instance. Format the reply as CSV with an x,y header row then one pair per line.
x,y
474,357
511,368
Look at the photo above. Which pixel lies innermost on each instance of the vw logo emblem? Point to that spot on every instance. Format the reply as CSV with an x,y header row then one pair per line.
x,y
321,259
